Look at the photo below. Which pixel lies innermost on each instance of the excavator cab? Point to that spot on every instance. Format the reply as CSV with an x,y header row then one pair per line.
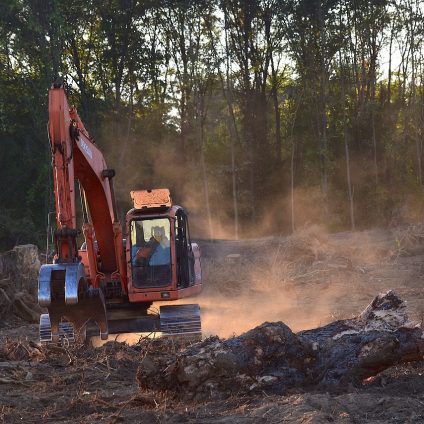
x,y
154,242
162,261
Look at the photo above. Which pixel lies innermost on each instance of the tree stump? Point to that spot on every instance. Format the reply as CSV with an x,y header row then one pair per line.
x,y
273,359
18,285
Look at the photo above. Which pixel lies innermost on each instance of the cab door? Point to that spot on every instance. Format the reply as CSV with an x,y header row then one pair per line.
x,y
184,252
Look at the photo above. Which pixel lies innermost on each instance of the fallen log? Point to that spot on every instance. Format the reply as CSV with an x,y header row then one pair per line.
x,y
273,359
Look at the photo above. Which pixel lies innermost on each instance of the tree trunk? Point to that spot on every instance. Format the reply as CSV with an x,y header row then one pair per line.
x,y
234,135
345,139
126,139
18,275
323,107
292,162
374,143
276,111
293,227
389,82
204,171
234,188
347,155
349,183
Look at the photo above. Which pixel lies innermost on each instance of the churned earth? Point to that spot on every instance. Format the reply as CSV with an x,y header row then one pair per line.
x,y
306,280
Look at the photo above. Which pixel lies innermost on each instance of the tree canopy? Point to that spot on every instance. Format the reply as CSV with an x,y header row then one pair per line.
x,y
259,115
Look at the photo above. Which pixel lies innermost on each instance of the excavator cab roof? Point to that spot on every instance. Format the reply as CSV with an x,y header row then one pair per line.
x,y
159,198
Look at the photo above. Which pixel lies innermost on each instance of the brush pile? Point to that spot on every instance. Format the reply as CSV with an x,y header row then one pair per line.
x,y
273,359
409,240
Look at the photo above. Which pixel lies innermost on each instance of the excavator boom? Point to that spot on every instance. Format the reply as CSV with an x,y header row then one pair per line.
x,y
76,157
68,288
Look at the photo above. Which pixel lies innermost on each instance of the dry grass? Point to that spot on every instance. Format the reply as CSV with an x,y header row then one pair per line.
x,y
300,258
307,279
408,239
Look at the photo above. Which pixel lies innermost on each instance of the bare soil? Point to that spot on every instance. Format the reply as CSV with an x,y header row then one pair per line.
x,y
305,280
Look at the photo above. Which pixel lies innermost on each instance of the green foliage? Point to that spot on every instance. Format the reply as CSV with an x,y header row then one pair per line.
x,y
216,99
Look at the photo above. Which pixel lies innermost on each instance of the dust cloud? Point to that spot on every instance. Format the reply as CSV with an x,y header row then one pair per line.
x,y
253,281
232,315
302,280
305,280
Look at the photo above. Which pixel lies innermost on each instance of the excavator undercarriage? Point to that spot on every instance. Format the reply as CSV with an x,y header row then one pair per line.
x,y
77,312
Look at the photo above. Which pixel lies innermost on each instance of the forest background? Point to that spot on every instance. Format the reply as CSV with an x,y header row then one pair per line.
x,y
261,116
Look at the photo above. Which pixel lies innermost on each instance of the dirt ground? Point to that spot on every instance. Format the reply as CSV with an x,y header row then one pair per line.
x,y
305,280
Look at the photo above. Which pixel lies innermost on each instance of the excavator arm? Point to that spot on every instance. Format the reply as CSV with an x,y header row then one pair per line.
x,y
71,290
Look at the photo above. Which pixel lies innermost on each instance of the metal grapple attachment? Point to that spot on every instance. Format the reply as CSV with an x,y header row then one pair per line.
x,y
62,288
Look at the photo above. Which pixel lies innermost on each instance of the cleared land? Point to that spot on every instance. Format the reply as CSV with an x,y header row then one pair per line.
x,y
306,280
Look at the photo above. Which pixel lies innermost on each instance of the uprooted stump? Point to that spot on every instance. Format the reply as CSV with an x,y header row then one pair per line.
x,y
18,284
273,359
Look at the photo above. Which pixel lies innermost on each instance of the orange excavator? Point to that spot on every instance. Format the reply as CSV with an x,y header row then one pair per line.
x,y
108,285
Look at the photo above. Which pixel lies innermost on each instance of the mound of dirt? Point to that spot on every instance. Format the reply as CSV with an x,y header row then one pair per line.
x,y
308,280
272,358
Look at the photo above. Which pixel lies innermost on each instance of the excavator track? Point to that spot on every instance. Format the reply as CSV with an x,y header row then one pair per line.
x,y
181,321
